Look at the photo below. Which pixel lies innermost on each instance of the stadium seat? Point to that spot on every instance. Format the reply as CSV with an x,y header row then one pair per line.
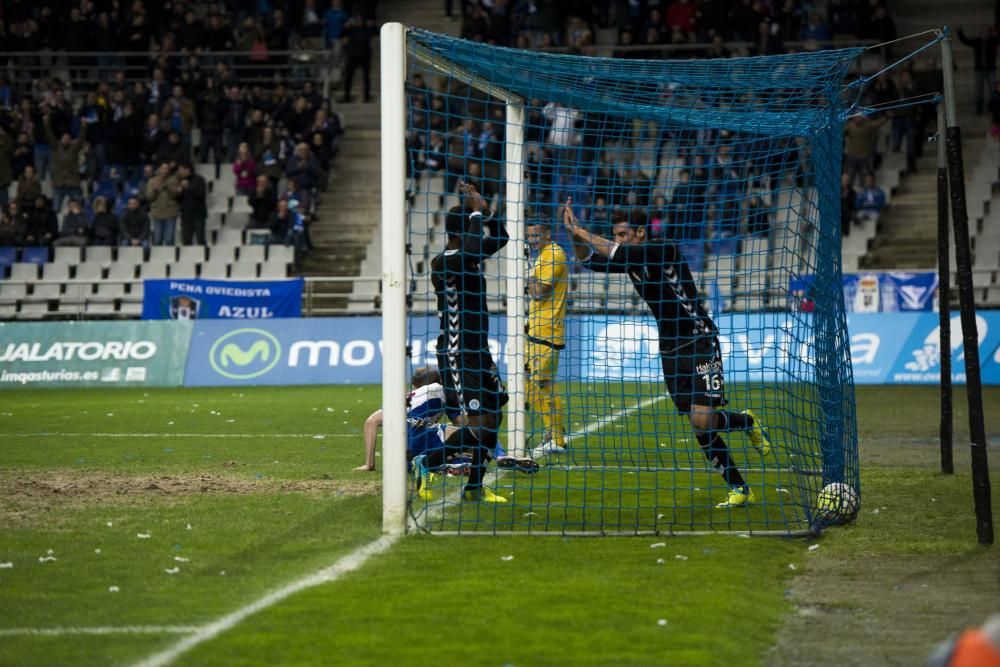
x,y
281,253
131,254
24,271
99,253
136,291
130,309
8,255
55,271
108,292
11,293
153,271
99,308
241,204
273,270
44,292
184,270
8,311
229,237
33,310
93,271
243,271
69,255
192,254
251,253
223,253
163,254
214,270
35,255
121,270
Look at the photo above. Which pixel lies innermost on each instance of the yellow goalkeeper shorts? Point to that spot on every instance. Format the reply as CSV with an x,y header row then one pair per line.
x,y
542,361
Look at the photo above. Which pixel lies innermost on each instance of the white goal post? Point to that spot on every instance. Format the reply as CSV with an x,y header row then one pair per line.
x,y
395,381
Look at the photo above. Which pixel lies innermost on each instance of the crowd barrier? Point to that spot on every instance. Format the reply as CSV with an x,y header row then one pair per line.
x,y
886,348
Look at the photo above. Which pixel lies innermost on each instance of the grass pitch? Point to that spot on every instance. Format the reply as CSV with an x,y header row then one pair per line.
x,y
263,478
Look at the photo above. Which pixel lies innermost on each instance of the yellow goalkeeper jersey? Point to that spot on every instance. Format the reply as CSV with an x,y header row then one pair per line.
x,y
547,317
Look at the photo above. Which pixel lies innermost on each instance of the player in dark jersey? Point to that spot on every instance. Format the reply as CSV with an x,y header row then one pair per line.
x,y
468,371
689,344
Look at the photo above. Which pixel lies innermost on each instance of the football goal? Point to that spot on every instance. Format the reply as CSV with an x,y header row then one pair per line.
x,y
652,253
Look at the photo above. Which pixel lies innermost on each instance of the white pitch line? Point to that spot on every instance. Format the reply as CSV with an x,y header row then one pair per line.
x,y
603,422
119,630
318,436
348,563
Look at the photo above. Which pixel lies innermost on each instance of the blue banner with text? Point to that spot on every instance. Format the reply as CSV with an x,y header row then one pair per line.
x,y
886,348
221,299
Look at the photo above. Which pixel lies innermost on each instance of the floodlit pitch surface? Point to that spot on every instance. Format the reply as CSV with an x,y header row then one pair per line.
x,y
141,527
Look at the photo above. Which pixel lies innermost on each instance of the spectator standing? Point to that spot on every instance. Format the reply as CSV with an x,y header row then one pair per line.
x,y
152,137
104,227
871,200
194,207
268,155
65,163
303,167
245,169
984,50
11,225
162,193
848,199
333,23
234,121
263,202
179,112
75,226
210,120
859,151
125,138
6,165
29,188
135,225
41,224
357,47
173,151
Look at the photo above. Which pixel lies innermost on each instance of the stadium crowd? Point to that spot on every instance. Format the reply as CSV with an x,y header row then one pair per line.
x,y
102,150
719,184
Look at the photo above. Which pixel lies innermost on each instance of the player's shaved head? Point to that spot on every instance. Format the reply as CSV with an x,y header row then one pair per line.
x,y
425,375
635,217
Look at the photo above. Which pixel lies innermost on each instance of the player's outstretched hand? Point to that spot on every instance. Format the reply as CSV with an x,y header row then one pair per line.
x,y
568,220
473,202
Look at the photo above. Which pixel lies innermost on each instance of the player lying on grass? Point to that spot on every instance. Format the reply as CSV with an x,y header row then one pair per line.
x,y
689,344
547,284
425,406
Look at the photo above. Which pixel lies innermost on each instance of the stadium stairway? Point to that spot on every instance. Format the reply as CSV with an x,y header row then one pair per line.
x,y
345,236
907,236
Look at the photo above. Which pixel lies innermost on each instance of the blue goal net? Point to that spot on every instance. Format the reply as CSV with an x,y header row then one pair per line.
x,y
604,292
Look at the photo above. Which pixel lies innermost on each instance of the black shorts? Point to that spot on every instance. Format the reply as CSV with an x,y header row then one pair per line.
x,y
472,383
693,373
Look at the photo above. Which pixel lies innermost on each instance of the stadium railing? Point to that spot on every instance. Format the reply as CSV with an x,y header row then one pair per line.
x,y
21,69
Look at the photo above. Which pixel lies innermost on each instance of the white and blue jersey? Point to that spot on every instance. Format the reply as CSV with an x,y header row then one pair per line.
x,y
424,408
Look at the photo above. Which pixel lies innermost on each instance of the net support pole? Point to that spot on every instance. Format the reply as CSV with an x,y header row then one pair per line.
x,y
970,335
944,298
515,268
394,326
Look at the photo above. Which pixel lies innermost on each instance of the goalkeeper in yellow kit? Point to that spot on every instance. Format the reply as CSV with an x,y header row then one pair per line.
x,y
548,281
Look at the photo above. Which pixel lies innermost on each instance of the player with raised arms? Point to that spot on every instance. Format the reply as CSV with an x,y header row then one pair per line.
x,y
689,344
469,373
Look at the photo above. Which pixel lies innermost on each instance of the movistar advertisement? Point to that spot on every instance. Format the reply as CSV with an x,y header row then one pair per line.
x,y
93,354
886,348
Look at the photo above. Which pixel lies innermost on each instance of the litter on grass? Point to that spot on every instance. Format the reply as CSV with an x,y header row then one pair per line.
x,y
97,551
113,589
660,561
792,566
143,536
172,570
506,558
6,566
657,545
813,547
661,622
680,557
181,559
45,559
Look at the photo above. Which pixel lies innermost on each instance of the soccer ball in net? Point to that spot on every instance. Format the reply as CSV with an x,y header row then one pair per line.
x,y
837,503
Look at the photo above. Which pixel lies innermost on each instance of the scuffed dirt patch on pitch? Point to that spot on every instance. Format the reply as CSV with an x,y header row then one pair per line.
x,y
883,611
23,494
